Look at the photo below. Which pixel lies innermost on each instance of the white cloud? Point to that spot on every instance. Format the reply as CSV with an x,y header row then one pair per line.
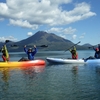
x,y
69,30
29,33
32,13
54,29
74,36
66,31
24,24
11,38
63,32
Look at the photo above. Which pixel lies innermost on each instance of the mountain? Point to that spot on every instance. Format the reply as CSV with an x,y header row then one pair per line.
x,y
53,41
87,45
42,37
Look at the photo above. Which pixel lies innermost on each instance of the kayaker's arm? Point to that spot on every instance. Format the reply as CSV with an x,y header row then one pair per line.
x,y
25,49
74,48
35,50
95,49
4,58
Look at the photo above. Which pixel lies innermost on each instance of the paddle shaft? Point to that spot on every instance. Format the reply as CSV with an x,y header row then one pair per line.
x,y
91,47
29,45
72,46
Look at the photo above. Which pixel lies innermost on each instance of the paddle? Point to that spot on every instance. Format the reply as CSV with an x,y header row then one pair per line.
x,y
72,46
6,41
5,54
91,47
14,45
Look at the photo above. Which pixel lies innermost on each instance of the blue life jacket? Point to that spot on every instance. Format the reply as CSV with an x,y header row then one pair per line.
x,y
30,54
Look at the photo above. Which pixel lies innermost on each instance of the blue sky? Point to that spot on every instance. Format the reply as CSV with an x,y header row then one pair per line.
x,y
75,20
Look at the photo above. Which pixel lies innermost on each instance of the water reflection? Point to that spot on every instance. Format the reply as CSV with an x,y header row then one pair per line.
x,y
32,71
6,73
94,67
97,69
5,78
75,70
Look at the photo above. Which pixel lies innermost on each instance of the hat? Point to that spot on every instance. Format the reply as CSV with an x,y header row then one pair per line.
x,y
30,49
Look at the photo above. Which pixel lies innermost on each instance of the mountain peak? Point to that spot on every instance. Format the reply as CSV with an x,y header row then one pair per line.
x,y
87,45
40,33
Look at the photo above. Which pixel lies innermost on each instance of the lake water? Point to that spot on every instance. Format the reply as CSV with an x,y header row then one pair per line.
x,y
51,82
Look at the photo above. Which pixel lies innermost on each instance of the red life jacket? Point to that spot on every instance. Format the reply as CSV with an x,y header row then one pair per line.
x,y
75,56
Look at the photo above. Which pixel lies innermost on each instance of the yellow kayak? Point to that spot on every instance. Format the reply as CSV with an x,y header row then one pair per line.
x,y
23,63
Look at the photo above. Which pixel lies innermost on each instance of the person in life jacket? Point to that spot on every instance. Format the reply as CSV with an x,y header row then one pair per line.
x,y
30,52
96,55
74,53
5,55
99,51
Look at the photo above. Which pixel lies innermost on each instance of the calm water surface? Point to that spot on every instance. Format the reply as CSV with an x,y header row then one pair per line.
x,y
50,82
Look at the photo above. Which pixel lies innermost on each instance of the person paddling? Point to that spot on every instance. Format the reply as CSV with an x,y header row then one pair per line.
x,y
30,52
74,53
5,55
96,55
99,51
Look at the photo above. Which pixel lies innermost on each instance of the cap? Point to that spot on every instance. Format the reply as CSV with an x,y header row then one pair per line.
x,y
30,49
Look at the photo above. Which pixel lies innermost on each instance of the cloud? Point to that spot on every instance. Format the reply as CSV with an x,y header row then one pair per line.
x,y
24,24
34,13
63,32
74,36
11,38
55,29
68,30
29,33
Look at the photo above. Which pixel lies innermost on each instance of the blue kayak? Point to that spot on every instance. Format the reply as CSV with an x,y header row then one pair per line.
x,y
72,61
65,61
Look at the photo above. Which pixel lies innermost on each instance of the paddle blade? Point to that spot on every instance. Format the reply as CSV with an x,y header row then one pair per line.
x,y
44,46
7,41
14,45
72,46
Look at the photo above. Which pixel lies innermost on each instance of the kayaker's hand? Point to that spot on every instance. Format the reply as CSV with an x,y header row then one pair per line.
x,y
34,46
24,46
7,59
